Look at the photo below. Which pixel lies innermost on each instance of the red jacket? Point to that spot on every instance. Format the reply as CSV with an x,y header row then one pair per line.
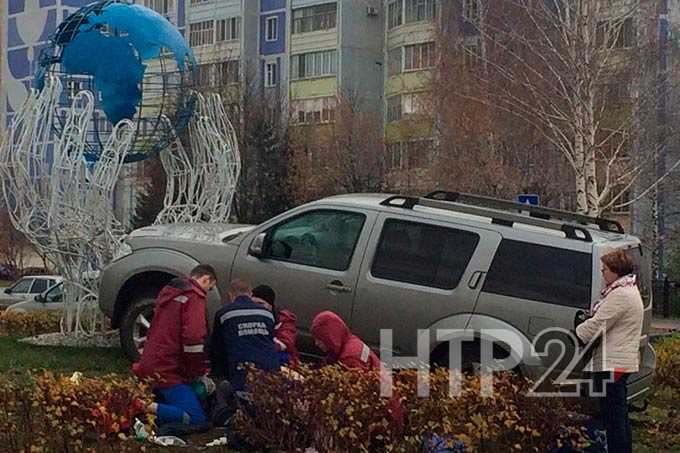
x,y
342,346
174,343
285,336
349,350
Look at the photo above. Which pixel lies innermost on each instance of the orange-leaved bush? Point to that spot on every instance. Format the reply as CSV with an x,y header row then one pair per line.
x,y
47,412
335,409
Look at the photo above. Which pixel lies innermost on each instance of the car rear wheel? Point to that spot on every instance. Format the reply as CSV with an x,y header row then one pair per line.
x,y
135,326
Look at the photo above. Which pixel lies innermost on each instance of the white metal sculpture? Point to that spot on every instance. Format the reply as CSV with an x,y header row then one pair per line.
x,y
65,207
201,181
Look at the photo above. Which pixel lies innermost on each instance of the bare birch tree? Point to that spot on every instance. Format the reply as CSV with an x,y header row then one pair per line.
x,y
555,66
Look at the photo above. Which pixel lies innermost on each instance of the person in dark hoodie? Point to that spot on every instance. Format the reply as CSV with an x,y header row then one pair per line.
x,y
285,329
173,355
243,333
332,336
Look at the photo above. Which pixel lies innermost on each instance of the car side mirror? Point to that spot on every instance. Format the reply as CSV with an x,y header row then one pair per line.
x,y
256,248
8,291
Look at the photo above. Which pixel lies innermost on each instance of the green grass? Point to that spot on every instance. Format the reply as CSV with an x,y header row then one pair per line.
x,y
16,356
5,283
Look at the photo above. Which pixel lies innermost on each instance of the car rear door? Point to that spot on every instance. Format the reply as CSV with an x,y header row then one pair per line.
x,y
311,258
538,287
417,272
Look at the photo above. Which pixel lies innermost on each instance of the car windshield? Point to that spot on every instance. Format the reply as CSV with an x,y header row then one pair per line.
x,y
22,286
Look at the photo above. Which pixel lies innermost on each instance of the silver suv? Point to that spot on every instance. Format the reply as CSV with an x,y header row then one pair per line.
x,y
443,261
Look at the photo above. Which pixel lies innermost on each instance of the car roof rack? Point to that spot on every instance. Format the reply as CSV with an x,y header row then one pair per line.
x,y
539,212
498,217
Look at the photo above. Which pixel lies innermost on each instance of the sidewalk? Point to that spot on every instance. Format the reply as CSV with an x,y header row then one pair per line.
x,y
666,324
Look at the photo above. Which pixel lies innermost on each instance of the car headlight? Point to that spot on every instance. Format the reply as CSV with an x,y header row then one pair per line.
x,y
124,249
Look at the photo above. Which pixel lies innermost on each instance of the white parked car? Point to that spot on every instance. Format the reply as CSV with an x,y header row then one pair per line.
x,y
28,287
52,299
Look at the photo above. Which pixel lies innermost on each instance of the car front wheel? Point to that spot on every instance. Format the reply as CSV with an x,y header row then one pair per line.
x,y
135,325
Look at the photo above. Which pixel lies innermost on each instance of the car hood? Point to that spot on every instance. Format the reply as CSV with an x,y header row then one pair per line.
x,y
201,232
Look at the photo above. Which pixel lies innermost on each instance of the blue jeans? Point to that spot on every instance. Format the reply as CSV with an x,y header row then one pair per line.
x,y
180,405
614,413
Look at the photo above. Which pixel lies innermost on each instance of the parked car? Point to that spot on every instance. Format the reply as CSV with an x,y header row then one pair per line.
x,y
442,261
50,300
27,287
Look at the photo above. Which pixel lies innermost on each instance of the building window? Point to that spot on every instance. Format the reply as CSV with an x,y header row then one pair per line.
x,y
394,108
271,74
412,154
228,29
204,75
419,56
197,2
73,88
313,111
412,104
201,33
471,10
314,64
395,155
470,55
162,7
272,31
394,62
419,153
314,18
228,72
420,10
395,14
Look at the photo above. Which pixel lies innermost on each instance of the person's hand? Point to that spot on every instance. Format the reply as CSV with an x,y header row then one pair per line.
x,y
208,383
580,318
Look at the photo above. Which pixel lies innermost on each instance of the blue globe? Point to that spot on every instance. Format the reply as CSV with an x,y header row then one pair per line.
x,y
136,63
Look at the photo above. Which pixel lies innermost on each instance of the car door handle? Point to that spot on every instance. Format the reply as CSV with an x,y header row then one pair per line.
x,y
338,287
475,279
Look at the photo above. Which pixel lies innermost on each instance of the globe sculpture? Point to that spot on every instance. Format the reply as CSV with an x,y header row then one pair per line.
x,y
137,65
113,86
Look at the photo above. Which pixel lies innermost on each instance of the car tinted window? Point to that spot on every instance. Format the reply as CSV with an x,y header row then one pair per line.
x,y
423,254
39,286
540,273
323,238
22,286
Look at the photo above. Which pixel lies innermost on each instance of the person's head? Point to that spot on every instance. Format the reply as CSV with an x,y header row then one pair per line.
x,y
615,265
266,294
205,276
330,332
238,288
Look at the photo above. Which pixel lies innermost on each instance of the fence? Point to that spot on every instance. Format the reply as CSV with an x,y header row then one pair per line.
x,y
666,298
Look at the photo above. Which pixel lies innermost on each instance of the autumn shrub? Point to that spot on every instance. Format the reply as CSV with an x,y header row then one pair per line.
x,y
668,363
334,409
47,412
29,323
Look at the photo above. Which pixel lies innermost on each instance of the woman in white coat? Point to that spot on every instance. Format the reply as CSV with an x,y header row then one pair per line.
x,y
618,315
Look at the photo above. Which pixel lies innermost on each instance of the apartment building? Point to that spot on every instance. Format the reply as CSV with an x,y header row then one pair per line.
x,y
411,27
